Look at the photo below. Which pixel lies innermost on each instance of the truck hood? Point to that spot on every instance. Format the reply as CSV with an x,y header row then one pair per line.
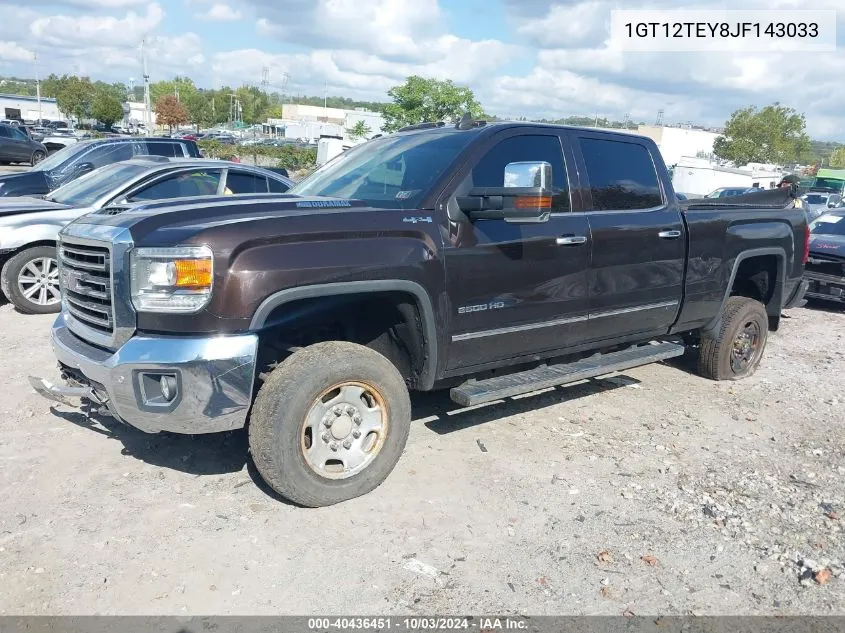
x,y
24,204
181,219
26,183
827,245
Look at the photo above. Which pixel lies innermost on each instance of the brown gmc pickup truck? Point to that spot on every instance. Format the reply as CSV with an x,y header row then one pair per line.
x,y
490,259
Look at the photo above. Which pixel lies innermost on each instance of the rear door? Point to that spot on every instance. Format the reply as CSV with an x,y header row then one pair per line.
x,y
239,181
638,237
515,289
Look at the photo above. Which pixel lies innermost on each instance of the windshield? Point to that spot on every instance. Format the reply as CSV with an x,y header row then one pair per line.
x,y
394,172
828,225
85,191
63,155
829,183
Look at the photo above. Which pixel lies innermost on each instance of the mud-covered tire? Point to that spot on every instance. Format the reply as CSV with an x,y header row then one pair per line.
x,y
14,268
284,404
719,357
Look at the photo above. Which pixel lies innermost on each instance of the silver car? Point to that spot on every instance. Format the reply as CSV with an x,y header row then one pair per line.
x,y
28,226
817,203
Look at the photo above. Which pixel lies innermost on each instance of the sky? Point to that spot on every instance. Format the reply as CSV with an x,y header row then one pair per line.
x,y
534,58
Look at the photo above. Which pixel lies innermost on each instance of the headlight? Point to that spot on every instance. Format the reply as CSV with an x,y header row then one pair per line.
x,y
171,279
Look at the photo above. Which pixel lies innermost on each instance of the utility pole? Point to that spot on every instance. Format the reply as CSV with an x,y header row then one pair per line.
x,y
37,87
326,102
147,107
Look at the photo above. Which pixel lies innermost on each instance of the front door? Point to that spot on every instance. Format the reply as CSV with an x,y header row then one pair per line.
x,y
515,289
638,237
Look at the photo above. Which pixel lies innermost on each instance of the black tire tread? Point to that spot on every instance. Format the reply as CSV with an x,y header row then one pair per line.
x,y
712,349
283,389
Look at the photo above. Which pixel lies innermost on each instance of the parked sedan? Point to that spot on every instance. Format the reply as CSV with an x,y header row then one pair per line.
x,y
825,269
28,226
819,202
16,146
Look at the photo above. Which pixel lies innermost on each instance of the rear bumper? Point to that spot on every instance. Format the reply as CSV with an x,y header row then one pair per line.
x,y
827,287
213,379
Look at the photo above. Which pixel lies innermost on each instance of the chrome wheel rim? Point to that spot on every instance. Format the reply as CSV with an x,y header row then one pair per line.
x,y
344,431
38,281
746,347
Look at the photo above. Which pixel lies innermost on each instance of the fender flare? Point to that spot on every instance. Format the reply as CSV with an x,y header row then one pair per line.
x,y
423,301
778,252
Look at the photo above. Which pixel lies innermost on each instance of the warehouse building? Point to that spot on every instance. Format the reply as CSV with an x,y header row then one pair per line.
x,y
26,108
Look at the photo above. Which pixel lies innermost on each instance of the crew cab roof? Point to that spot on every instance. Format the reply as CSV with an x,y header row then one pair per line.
x,y
486,128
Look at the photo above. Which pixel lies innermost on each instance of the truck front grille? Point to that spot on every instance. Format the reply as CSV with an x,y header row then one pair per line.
x,y
86,284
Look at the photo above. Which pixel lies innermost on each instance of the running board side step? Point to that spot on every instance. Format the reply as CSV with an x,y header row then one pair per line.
x,y
475,392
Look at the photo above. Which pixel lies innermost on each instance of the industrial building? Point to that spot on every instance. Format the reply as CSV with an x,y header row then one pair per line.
x,y
26,108
310,123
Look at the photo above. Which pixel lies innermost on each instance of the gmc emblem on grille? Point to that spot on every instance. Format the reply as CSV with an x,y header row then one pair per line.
x,y
71,279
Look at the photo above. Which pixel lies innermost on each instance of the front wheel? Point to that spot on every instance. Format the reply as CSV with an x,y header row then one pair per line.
x,y
736,350
330,423
37,157
30,280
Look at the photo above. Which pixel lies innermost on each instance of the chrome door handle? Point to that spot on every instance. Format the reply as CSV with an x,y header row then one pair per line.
x,y
669,235
570,240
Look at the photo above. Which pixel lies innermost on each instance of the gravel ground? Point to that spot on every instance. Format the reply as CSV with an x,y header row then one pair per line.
x,y
650,492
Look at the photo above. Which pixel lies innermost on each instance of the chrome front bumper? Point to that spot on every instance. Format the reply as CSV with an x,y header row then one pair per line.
x,y
214,379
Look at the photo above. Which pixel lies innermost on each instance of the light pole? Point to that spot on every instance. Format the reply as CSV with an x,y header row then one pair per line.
x,y
37,87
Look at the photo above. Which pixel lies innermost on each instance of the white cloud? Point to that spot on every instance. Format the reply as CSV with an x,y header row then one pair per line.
x,y
64,30
13,52
220,12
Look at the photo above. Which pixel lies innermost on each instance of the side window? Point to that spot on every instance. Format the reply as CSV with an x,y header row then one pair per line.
x,y
197,183
107,154
5,132
277,186
18,135
490,170
241,182
160,148
621,175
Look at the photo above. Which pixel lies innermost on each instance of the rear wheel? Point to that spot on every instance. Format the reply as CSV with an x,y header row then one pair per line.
x,y
30,280
330,423
736,350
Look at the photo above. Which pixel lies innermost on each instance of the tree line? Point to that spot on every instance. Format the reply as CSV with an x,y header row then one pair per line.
x,y
771,134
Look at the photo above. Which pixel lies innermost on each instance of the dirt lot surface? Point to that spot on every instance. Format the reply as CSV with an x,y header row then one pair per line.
x,y
652,492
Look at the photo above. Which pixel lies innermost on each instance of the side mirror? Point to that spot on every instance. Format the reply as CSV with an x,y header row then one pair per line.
x,y
525,197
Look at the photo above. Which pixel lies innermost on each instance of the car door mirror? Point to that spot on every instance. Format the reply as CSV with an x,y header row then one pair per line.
x,y
525,197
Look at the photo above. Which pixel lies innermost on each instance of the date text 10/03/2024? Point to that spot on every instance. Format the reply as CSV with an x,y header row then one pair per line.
x,y
482,625
704,30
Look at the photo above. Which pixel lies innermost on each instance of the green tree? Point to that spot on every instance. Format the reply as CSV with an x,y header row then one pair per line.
x,y
837,158
170,111
776,134
254,104
359,130
106,107
75,96
420,99
198,106
180,87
